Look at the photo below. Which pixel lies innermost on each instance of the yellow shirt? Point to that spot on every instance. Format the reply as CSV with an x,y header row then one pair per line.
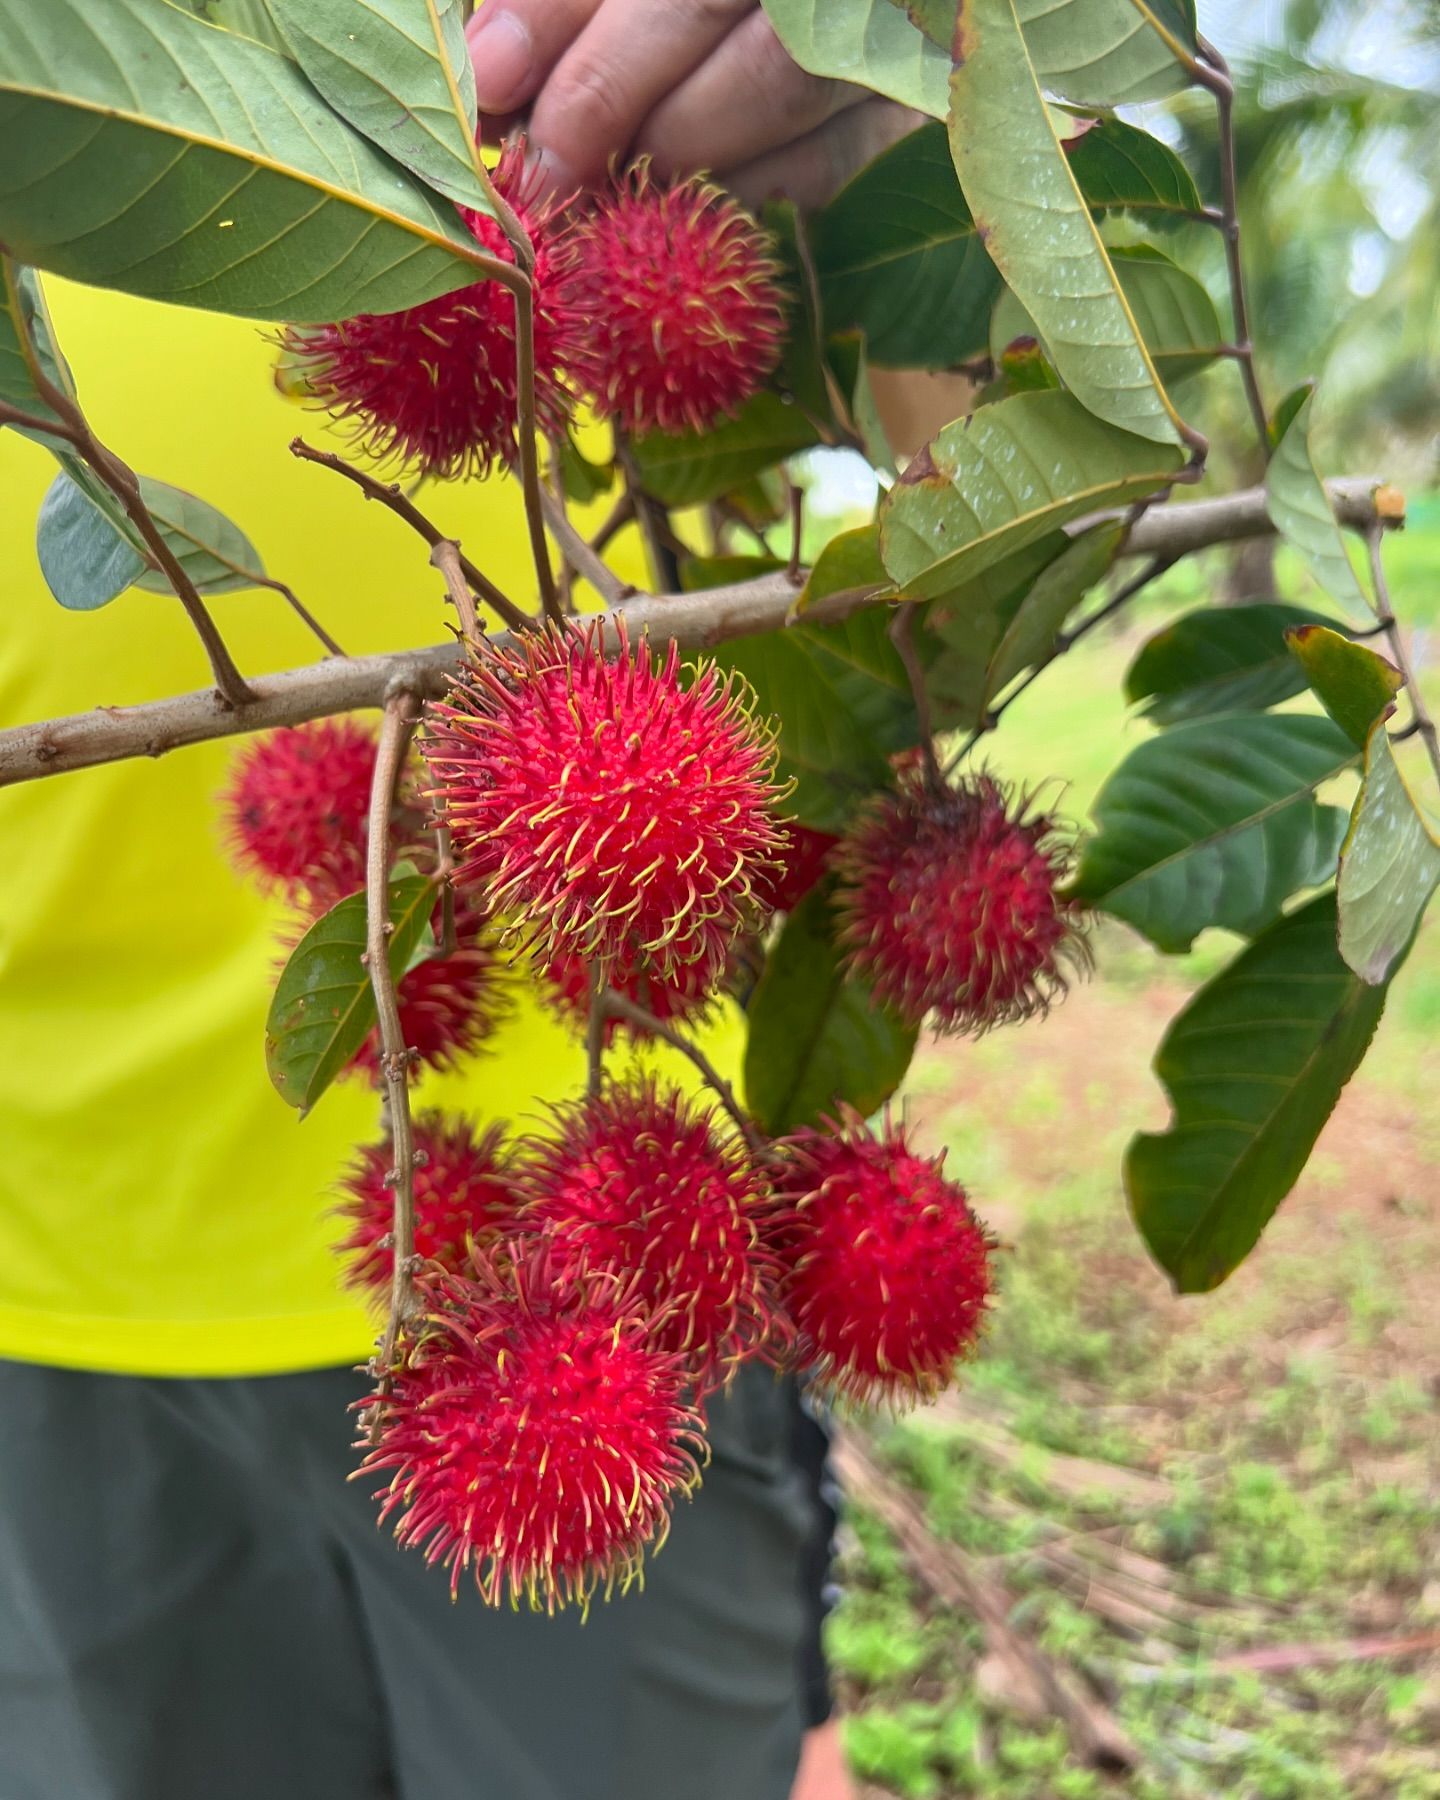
x,y
161,1210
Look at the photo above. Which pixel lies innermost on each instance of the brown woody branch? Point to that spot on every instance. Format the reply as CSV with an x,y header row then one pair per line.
x,y
693,621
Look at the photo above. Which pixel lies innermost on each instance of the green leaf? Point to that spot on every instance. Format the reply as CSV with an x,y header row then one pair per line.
x,y
584,481
898,258
1121,169
850,560
1300,510
1389,865
868,42
696,467
398,71
990,634
850,363
844,708
1038,229
1105,52
1005,477
86,562
1176,317
148,151
1354,685
1218,660
250,18
323,1008
815,1038
1213,824
1253,1066
700,572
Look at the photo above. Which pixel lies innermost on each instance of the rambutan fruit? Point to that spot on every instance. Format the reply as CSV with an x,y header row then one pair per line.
x,y
450,1004
534,1430
685,312
637,1179
682,997
885,1268
801,859
464,1195
295,803
608,811
435,386
950,907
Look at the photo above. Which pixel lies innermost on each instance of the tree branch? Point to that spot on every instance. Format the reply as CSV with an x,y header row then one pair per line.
x,y
693,621
1422,722
389,494
446,557
402,709
581,558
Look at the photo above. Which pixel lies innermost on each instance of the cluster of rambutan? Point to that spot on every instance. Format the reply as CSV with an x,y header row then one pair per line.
x,y
659,305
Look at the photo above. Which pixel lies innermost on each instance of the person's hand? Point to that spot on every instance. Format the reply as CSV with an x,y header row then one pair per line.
x,y
693,84
822,1774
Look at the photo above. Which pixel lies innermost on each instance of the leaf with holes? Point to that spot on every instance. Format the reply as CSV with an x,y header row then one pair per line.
x,y
226,184
323,1008
844,707
1004,478
897,257
1253,1066
1389,865
815,1037
1218,660
1176,318
1214,824
693,468
1038,229
400,72
1300,509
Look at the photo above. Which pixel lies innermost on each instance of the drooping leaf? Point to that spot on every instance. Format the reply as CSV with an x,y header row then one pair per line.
x,y
868,42
1389,865
1300,509
898,258
696,467
1122,169
989,635
1356,686
1005,477
1218,660
87,562
816,1038
400,72
844,708
1038,229
1213,824
1253,1066
323,1007
1176,317
850,560
224,182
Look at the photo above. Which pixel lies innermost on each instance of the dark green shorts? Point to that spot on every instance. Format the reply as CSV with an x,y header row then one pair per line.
x,y
196,1605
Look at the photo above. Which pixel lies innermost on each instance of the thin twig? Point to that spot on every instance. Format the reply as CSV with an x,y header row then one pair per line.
x,y
1422,721
302,612
797,530
526,427
620,516
1213,72
902,636
579,555
402,709
619,1006
1064,642
389,494
446,557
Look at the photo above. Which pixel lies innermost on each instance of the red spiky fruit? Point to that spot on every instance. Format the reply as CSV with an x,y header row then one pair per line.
x,y
637,1179
535,1432
449,1005
295,804
682,997
464,1195
801,859
885,1268
686,315
435,386
950,906
608,810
